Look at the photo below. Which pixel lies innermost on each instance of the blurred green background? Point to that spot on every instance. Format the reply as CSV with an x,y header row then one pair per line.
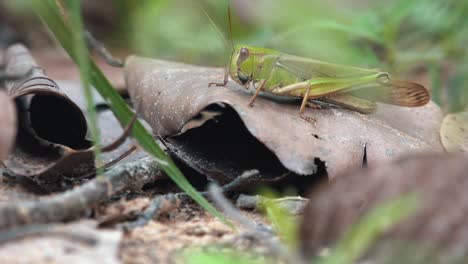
x,y
423,40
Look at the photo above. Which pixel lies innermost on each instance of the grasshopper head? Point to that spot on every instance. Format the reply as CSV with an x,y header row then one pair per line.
x,y
248,63
242,63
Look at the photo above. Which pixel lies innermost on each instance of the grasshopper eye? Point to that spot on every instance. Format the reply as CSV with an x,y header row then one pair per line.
x,y
244,54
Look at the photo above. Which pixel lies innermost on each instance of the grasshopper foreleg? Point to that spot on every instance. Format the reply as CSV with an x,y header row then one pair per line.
x,y
225,81
257,91
260,86
226,77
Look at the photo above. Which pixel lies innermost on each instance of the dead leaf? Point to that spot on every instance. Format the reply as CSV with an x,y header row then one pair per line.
x,y
170,95
51,129
454,132
438,180
109,126
52,142
8,125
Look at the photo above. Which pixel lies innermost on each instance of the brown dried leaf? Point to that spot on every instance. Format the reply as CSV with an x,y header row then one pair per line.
x,y
438,180
109,126
51,130
170,95
8,125
52,141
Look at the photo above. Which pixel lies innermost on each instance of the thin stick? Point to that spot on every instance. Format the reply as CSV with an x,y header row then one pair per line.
x,y
160,205
257,231
166,203
216,194
290,205
244,177
101,50
71,204
92,42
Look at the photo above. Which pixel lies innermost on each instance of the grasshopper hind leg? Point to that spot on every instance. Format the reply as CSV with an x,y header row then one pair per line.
x,y
304,100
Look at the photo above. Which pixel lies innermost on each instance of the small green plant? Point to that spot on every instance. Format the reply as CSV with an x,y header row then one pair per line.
x,y
215,255
286,225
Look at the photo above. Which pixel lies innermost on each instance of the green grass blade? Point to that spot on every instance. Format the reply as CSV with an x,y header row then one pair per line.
x,y
49,13
81,53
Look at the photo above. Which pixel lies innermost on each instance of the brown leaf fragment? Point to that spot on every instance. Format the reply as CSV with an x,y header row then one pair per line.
x,y
109,126
170,95
7,125
53,142
454,132
437,226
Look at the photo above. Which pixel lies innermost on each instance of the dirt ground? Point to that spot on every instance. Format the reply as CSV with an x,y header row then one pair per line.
x,y
162,240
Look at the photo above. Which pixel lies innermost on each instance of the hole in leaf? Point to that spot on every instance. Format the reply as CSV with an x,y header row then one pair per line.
x,y
222,148
55,120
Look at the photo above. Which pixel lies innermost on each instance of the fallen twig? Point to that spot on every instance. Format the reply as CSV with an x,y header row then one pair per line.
x,y
165,203
101,50
290,205
242,179
261,232
245,176
160,205
216,194
71,204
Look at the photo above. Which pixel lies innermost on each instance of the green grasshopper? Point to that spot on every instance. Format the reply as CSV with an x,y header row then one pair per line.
x,y
354,88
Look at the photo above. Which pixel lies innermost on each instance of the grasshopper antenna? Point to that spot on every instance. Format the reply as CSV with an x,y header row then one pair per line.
x,y
226,72
216,28
230,26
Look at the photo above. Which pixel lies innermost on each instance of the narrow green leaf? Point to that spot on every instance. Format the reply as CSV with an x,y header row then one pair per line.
x,y
81,53
219,255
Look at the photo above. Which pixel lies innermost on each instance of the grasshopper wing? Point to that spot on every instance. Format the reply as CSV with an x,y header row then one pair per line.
x,y
396,92
385,90
308,68
350,102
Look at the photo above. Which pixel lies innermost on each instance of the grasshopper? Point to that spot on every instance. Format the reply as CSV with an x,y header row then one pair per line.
x,y
272,71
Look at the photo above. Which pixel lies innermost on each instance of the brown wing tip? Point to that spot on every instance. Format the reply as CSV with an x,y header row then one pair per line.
x,y
409,93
